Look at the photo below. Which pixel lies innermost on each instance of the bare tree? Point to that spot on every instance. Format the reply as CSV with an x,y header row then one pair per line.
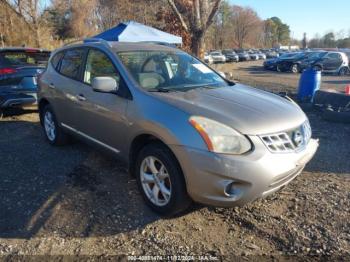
x,y
30,12
195,16
245,21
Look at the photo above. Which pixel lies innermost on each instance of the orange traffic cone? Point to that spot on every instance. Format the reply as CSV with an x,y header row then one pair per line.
x,y
347,90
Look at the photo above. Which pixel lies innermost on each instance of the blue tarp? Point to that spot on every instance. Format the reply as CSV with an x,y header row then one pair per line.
x,y
135,32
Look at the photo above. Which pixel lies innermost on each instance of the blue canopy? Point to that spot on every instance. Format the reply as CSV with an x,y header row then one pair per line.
x,y
135,32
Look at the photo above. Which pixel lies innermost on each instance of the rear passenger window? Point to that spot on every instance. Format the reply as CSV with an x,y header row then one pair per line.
x,y
334,56
56,59
71,63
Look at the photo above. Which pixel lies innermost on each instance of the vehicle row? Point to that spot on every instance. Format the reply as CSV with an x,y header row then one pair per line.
x,y
233,55
296,62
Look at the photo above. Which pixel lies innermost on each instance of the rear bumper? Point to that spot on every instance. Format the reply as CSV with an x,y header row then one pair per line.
x,y
18,100
228,180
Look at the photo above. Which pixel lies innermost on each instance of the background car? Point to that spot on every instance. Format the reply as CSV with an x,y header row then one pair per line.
x,y
243,56
218,57
230,55
19,69
271,64
272,54
253,56
332,62
208,58
261,55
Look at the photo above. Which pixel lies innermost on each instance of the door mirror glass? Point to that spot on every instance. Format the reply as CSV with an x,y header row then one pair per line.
x,y
104,84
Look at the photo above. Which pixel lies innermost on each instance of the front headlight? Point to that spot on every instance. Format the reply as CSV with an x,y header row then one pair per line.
x,y
219,137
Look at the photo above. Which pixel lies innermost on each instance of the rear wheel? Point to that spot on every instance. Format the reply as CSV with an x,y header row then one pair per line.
x,y
343,71
161,180
53,132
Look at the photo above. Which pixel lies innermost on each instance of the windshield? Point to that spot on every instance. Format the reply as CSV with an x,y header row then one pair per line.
x,y
166,70
24,58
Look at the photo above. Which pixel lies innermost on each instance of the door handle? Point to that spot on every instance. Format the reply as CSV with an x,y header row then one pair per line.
x,y
51,85
81,97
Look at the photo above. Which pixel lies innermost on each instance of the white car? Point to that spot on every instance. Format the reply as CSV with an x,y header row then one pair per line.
x,y
208,59
218,57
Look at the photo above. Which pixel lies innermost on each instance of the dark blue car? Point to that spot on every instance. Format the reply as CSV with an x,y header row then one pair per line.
x,y
19,69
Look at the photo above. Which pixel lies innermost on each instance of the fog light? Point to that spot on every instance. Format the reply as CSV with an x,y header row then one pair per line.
x,y
234,191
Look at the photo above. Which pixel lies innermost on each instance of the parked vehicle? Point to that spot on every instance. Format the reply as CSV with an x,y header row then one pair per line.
x,y
272,54
218,57
294,63
243,56
19,69
208,59
261,55
253,56
271,64
332,62
187,133
230,55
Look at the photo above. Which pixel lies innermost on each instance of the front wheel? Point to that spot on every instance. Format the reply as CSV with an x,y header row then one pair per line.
x,y
161,180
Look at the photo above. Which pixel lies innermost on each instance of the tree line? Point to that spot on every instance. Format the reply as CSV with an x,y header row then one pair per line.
x,y
203,24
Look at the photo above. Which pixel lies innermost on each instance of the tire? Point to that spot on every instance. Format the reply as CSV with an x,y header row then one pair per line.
x,y
52,130
343,71
278,68
176,199
295,68
317,68
337,117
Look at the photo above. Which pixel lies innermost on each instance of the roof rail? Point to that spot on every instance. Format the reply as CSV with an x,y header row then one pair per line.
x,y
97,40
73,42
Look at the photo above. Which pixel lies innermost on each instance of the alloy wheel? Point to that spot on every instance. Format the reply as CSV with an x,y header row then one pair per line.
x,y
49,125
155,181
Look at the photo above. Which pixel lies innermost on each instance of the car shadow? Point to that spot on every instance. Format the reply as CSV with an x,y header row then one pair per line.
x,y
70,191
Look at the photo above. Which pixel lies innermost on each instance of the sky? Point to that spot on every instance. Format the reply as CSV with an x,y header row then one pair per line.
x,y
309,16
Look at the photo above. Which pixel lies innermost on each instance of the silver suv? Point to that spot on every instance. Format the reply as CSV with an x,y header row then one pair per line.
x,y
186,133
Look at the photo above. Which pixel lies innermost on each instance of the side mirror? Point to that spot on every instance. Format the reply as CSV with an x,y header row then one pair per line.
x,y
104,84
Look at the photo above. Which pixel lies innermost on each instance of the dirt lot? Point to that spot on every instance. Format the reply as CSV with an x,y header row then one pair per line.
x,y
76,201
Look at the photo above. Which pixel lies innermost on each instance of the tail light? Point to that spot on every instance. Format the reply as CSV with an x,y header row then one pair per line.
x,y
6,71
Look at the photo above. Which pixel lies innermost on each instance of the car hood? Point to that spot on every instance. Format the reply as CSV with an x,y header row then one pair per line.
x,y
248,110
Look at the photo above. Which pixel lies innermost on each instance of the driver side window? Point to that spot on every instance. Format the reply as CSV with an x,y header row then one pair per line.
x,y
98,64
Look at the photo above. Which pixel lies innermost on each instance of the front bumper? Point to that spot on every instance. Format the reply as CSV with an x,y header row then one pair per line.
x,y
228,180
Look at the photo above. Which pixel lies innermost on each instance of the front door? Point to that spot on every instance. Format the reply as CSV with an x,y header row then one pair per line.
x,y
101,116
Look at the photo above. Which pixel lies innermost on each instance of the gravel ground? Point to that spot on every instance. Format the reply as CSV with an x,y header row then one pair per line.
x,y
74,200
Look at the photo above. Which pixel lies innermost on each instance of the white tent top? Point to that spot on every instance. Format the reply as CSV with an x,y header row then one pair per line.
x,y
135,32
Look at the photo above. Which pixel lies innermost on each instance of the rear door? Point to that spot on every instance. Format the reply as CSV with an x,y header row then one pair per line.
x,y
101,116
66,84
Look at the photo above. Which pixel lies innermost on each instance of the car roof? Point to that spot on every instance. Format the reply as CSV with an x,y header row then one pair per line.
x,y
124,46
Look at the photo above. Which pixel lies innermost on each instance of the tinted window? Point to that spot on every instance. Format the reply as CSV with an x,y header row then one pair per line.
x,y
98,64
24,57
334,56
71,63
56,59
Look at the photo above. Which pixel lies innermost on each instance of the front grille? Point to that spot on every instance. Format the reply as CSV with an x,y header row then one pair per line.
x,y
289,141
